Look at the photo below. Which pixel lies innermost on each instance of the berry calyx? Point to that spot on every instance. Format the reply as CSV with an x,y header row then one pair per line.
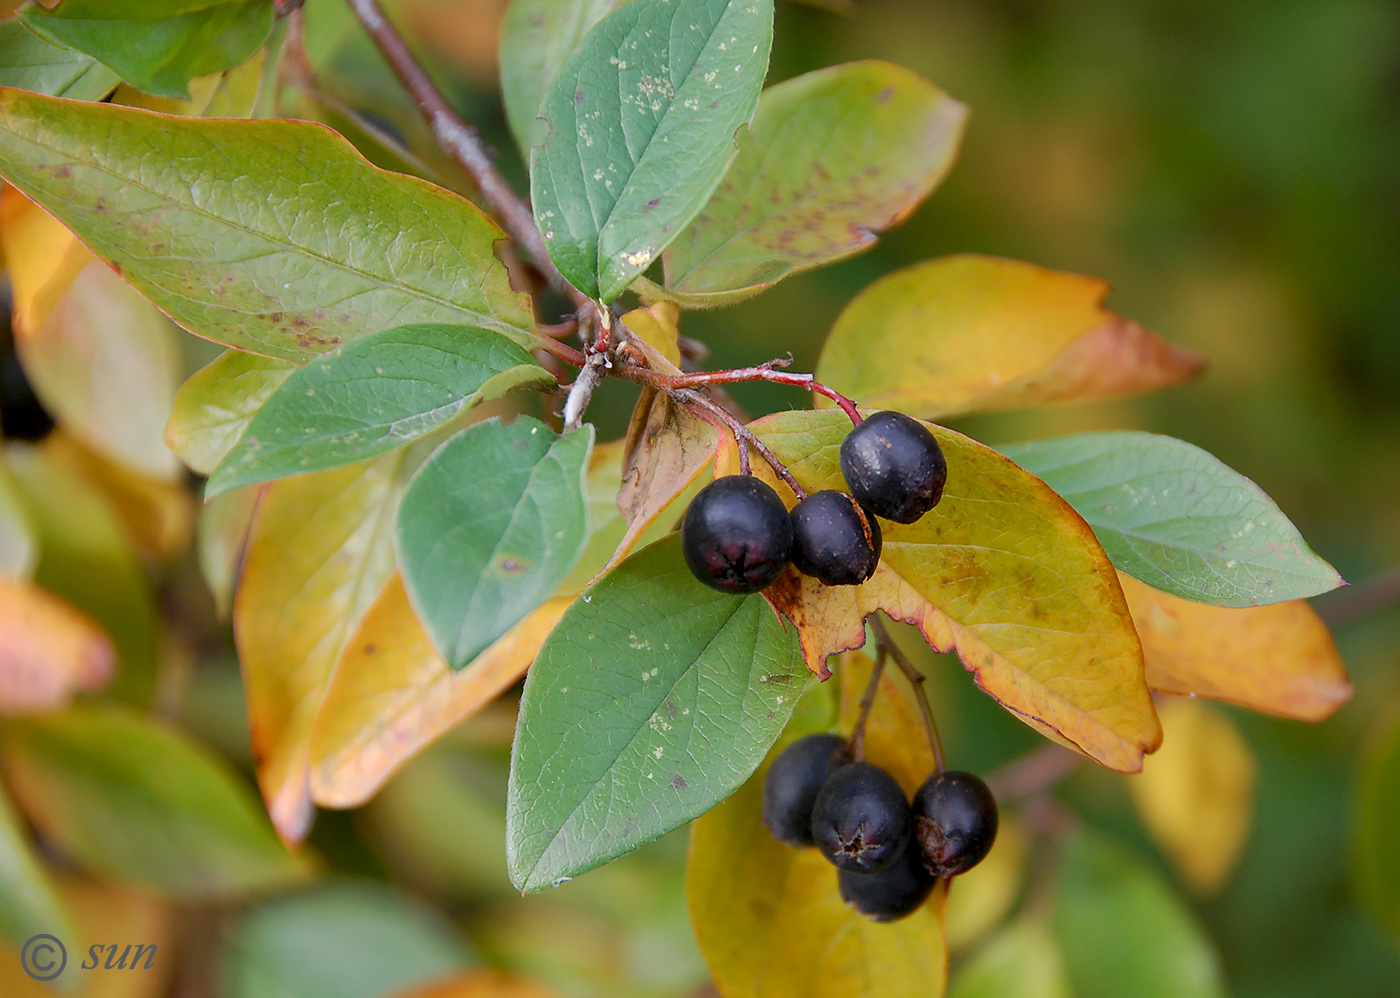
x,y
790,789
955,821
894,466
860,820
895,892
834,540
737,535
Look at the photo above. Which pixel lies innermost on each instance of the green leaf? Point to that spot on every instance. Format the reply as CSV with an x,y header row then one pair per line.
x,y
833,158
1022,961
653,700
1173,516
214,407
1122,931
489,527
641,125
28,62
28,903
536,37
372,395
19,548
345,940
1377,863
129,798
157,46
86,557
271,236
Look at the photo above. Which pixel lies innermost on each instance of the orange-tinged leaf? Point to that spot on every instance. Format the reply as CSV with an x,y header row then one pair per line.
x,y
1196,794
159,515
102,359
392,694
319,551
1277,658
1004,572
47,650
769,918
967,333
666,452
655,327
481,984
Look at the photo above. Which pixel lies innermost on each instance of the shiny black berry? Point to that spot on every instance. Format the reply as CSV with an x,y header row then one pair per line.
x,y
860,820
955,821
895,892
894,466
737,535
834,540
793,781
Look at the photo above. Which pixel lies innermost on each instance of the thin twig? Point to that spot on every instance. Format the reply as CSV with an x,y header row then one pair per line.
x,y
745,462
768,371
461,141
741,433
855,745
1033,773
1344,606
916,679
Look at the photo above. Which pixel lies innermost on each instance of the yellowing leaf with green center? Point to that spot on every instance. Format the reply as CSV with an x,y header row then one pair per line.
x,y
1002,571
156,45
641,122
213,408
392,694
320,550
373,394
1196,794
48,650
769,918
833,158
1278,658
271,236
972,333
132,799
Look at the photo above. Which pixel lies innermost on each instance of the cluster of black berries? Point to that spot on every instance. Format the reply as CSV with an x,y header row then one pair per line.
x,y
738,537
889,852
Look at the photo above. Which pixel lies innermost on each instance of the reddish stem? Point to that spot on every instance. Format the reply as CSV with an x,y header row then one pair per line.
x,y
742,434
769,372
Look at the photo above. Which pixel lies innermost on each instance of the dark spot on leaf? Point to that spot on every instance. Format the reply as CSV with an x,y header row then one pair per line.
x,y
370,649
578,97
678,782
512,566
646,209
63,171
274,317
883,97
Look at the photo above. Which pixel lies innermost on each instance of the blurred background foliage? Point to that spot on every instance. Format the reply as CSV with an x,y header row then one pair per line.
x,y
1231,168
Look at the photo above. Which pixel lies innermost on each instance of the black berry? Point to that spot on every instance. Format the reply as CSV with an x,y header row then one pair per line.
x,y
834,540
895,892
955,821
737,535
793,781
894,466
860,820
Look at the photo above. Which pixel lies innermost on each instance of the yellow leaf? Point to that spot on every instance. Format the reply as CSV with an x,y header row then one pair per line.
x,y
481,984
47,650
1003,571
1196,795
1278,658
969,333
102,359
980,898
666,452
319,552
159,515
769,918
655,326
392,694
